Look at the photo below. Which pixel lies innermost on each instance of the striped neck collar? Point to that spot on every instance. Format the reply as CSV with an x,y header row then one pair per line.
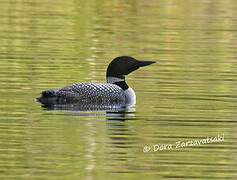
x,y
119,81
113,80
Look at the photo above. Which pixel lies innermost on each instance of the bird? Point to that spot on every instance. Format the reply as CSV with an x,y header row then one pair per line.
x,y
115,91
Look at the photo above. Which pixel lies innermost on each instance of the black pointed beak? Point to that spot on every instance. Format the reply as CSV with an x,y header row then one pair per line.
x,y
145,63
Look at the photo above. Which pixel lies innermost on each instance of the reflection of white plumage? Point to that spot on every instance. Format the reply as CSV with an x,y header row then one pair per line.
x,y
114,92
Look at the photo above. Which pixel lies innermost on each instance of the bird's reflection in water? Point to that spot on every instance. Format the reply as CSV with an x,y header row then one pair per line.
x,y
93,110
120,141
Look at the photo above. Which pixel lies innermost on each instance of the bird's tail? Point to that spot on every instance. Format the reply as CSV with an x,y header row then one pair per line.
x,y
47,96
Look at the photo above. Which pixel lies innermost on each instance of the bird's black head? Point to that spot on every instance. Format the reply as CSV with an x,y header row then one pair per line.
x,y
124,65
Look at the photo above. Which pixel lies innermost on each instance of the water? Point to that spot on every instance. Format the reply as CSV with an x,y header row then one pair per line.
x,y
188,95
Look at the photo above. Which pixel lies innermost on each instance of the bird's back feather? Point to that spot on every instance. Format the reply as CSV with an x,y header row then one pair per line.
x,y
86,93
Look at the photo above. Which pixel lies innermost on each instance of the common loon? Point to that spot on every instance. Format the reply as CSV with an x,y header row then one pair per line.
x,y
114,92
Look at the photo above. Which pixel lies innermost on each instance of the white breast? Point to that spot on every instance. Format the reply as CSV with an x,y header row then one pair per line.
x,y
131,96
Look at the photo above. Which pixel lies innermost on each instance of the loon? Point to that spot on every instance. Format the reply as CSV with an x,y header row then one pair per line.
x,y
114,92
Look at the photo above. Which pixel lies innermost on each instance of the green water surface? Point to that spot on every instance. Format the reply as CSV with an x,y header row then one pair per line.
x,y
188,95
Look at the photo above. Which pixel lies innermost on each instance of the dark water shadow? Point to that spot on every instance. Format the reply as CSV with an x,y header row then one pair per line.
x,y
111,110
